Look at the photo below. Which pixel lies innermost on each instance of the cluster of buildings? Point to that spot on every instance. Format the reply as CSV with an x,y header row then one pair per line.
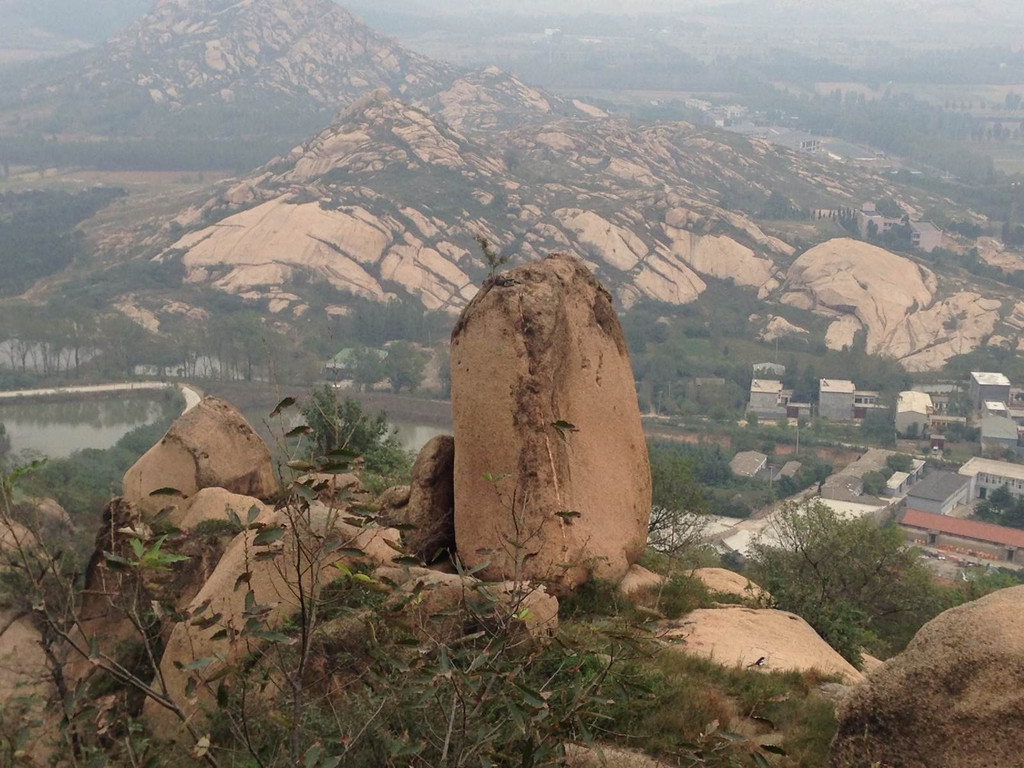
x,y
718,115
838,400
997,412
932,510
937,505
924,235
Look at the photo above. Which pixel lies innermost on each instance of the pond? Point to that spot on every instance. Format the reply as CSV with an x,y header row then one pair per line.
x,y
415,435
57,428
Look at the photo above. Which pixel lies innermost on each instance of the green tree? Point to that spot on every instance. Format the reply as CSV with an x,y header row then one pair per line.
x,y
368,368
877,428
899,462
342,424
404,366
856,583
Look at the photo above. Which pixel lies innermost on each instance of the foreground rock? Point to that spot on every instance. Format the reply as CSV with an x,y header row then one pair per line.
x,y
211,446
544,404
953,698
431,505
579,756
446,602
728,582
272,583
741,636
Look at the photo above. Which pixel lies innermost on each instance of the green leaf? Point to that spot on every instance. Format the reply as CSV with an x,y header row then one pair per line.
x,y
335,468
167,492
116,562
222,696
562,425
254,512
274,637
243,578
199,663
268,535
771,748
300,466
299,431
288,402
137,547
312,755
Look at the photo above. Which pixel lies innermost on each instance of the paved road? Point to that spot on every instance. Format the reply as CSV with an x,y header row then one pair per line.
x,y
192,396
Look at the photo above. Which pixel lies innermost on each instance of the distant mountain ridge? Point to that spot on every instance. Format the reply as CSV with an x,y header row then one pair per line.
x,y
199,63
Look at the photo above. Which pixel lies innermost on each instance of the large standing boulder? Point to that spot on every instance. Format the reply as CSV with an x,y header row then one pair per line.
x,y
431,506
211,446
552,481
953,699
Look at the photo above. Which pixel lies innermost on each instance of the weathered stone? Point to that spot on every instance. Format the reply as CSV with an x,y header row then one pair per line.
x,y
211,446
953,699
729,582
638,579
448,602
274,585
782,641
431,506
552,481
214,505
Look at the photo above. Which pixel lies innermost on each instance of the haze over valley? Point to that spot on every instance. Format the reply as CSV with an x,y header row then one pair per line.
x,y
723,303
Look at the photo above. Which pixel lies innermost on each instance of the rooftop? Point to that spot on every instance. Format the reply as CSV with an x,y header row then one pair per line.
x,y
998,428
915,402
790,468
748,463
924,226
989,379
993,467
897,479
968,529
937,486
766,386
837,385
995,405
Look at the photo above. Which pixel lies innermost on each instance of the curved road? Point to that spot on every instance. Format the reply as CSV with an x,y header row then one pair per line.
x,y
192,396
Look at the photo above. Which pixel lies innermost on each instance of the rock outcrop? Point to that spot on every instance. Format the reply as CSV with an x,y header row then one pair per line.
x,y
431,506
953,699
740,636
271,583
849,277
552,481
211,446
730,583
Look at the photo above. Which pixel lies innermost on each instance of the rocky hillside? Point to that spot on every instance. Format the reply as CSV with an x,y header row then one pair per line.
x,y
389,200
217,57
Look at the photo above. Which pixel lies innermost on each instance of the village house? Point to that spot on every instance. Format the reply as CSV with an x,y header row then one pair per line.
x,y
988,386
987,475
939,493
913,412
994,542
